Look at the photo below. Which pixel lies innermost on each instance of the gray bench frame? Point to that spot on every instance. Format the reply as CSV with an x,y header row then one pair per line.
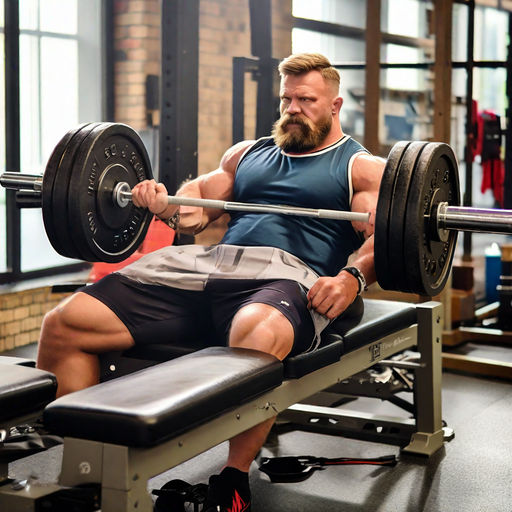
x,y
124,471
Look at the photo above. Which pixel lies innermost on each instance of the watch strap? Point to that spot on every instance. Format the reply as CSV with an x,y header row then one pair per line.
x,y
358,275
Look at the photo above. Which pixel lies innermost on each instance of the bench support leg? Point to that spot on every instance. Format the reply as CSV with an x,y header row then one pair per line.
x,y
123,486
430,435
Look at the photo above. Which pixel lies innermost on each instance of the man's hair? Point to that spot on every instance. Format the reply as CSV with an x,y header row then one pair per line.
x,y
300,63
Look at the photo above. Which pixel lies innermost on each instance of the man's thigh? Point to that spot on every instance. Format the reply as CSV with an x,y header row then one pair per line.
x,y
153,313
286,296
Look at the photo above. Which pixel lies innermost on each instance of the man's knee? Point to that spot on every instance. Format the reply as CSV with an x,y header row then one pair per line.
x,y
262,327
76,315
56,327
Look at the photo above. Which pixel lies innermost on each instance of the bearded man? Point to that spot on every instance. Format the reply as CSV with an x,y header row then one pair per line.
x,y
272,284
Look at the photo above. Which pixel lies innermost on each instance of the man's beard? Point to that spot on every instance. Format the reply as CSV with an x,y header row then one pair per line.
x,y
307,137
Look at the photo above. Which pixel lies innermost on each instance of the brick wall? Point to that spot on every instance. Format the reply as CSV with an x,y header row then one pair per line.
x,y
21,314
137,54
224,33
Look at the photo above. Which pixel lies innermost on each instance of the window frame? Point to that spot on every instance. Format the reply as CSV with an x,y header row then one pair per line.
x,y
11,31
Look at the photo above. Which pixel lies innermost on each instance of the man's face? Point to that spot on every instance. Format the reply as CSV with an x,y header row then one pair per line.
x,y
306,112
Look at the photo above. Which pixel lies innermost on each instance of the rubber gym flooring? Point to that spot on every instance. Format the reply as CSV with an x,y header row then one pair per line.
x,y
472,473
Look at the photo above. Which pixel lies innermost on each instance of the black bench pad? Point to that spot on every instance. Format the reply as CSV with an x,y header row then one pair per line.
x,y
160,402
24,390
379,319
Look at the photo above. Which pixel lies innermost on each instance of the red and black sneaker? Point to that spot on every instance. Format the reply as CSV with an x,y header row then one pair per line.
x,y
228,492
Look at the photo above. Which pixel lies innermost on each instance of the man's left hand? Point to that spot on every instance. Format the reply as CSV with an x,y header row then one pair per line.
x,y
330,296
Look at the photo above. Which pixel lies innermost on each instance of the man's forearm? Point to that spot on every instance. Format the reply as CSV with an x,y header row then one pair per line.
x,y
364,259
190,219
193,219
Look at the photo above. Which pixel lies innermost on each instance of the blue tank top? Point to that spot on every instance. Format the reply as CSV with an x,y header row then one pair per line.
x,y
266,175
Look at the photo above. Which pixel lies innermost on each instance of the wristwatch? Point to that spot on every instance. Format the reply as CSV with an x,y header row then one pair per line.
x,y
358,275
173,221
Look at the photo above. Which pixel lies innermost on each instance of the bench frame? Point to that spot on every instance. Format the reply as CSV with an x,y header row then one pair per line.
x,y
124,471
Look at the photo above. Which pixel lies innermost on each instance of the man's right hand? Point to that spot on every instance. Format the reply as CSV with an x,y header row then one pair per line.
x,y
152,195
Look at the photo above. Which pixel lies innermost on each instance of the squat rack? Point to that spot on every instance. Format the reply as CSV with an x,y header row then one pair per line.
x,y
262,65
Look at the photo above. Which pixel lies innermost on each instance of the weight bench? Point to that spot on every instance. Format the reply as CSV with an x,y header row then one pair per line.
x,y
120,433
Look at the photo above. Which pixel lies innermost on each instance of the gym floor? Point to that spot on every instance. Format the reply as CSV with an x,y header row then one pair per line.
x,y
472,473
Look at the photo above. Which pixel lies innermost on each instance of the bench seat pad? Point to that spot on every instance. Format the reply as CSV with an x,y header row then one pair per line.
x,y
380,318
344,335
160,402
24,390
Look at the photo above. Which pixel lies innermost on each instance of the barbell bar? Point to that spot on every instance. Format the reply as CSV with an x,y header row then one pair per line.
x,y
122,196
19,181
458,218
463,218
88,213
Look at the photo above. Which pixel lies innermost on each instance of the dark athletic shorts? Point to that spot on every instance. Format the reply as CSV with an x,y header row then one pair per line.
x,y
160,314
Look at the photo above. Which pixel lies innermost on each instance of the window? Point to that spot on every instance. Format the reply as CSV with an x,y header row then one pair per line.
x,y
341,47
491,39
60,87
343,12
405,40
406,18
3,233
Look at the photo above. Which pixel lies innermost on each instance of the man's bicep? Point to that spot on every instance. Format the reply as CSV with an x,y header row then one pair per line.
x,y
366,177
367,173
217,184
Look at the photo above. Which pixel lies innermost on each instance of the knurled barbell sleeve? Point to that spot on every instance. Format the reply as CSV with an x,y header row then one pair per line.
x,y
21,181
481,220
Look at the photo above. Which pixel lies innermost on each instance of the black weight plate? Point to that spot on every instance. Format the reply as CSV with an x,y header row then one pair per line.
x,y
103,230
60,199
396,222
381,233
52,229
428,259
71,204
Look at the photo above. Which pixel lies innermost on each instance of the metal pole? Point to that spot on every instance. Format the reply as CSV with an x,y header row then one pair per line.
x,y
468,193
481,220
122,196
19,181
508,132
12,130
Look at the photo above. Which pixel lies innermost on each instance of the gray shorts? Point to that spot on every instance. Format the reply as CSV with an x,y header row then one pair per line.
x,y
163,314
192,267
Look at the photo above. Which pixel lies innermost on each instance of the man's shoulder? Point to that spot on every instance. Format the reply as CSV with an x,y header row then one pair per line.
x,y
367,171
261,142
254,145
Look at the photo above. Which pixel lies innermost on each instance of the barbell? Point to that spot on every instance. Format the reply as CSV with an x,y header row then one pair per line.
x,y
85,195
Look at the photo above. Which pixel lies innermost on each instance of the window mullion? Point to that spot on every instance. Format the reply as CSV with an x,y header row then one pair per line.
x,y
12,131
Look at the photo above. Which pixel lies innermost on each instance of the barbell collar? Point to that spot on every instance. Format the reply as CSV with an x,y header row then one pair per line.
x,y
479,220
122,196
19,181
